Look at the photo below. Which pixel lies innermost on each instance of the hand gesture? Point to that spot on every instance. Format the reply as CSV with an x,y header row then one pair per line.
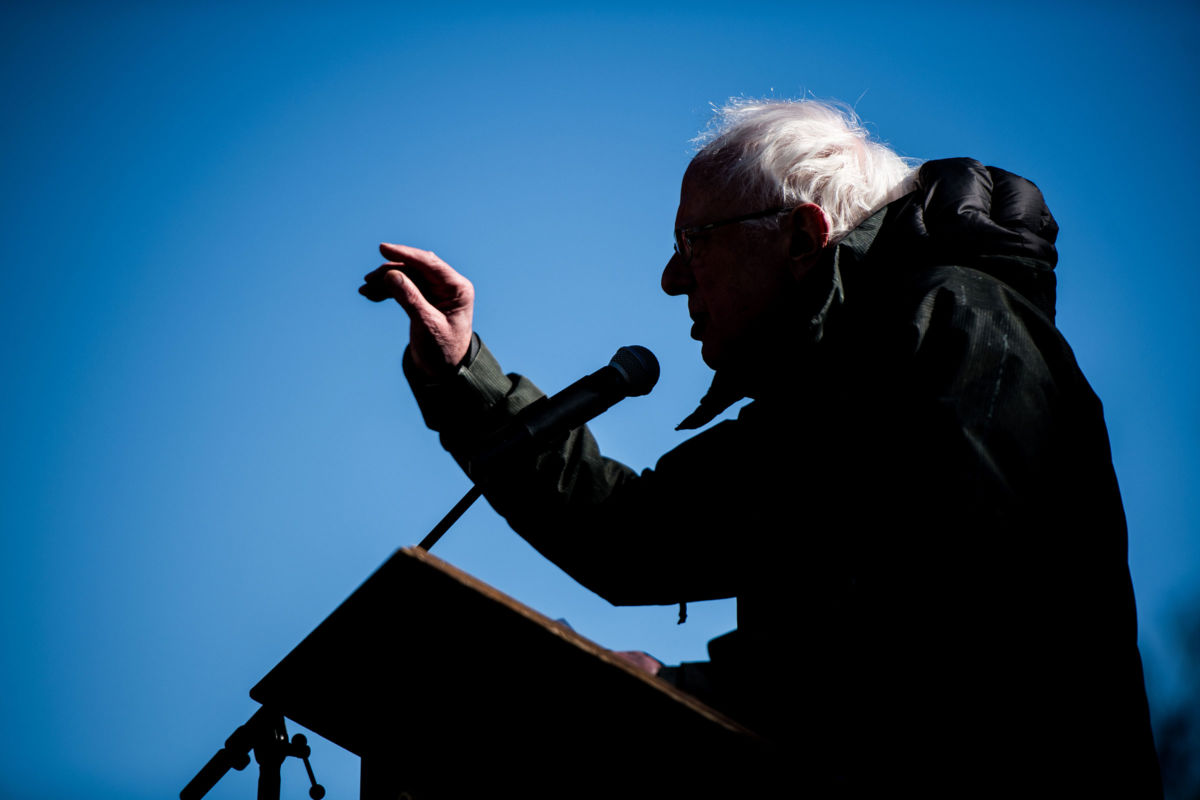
x,y
439,303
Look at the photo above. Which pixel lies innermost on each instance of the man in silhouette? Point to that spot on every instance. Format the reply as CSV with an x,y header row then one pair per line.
x,y
917,514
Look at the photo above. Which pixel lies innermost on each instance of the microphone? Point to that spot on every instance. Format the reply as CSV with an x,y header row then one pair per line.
x,y
632,372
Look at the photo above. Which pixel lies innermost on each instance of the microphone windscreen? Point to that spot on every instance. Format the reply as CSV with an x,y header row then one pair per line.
x,y
638,367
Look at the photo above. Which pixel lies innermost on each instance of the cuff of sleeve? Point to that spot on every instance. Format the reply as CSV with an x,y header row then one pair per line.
x,y
475,387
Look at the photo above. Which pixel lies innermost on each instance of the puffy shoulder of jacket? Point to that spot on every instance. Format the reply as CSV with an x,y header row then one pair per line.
x,y
963,213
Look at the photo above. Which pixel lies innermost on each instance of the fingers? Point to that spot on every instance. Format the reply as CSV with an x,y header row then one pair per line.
x,y
639,659
373,290
389,282
435,279
377,285
424,262
385,281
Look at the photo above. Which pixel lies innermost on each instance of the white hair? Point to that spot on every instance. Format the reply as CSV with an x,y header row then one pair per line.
x,y
792,152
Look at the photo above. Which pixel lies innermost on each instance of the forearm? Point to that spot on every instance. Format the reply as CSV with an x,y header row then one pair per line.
x,y
613,530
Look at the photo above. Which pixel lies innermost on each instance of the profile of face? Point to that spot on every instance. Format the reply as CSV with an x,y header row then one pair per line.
x,y
739,278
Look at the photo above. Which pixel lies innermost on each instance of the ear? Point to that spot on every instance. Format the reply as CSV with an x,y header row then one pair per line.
x,y
808,234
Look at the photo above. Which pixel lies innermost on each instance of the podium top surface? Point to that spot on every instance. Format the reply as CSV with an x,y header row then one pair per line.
x,y
428,660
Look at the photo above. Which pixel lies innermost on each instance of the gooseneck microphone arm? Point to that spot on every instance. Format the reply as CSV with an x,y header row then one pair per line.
x,y
632,372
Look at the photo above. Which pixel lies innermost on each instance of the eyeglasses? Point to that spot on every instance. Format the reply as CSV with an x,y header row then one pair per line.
x,y
683,236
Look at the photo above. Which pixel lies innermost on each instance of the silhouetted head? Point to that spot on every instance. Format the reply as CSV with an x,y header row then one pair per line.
x,y
773,184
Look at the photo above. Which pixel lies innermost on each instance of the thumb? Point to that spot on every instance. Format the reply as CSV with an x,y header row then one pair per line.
x,y
406,293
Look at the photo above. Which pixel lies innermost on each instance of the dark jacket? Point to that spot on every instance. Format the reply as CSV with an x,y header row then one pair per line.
x,y
917,514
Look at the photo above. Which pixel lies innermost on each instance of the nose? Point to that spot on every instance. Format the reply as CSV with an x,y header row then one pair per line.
x,y
677,276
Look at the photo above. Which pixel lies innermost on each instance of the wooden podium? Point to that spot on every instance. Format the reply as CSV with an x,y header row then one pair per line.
x,y
448,688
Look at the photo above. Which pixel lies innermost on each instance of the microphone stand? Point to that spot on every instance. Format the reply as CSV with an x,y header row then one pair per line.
x,y
265,734
452,517
633,369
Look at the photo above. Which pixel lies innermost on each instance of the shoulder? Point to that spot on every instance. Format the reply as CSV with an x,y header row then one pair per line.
x,y
968,311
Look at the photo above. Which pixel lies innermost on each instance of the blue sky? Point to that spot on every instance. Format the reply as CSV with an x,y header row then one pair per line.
x,y
207,440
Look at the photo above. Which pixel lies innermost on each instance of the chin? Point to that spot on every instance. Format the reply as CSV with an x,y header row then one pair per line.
x,y
711,354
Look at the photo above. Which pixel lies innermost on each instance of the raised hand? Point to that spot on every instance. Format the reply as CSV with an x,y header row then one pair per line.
x,y
439,303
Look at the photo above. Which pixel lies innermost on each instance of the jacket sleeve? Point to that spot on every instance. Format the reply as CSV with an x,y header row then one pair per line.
x,y
647,538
